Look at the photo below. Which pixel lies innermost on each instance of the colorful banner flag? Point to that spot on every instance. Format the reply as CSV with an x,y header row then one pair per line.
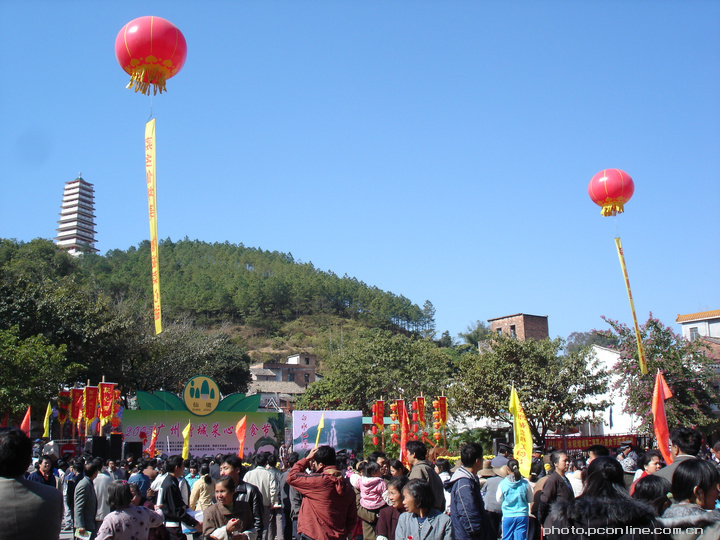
x,y
186,440
404,430
443,409
522,435
421,410
91,396
117,400
661,392
379,410
153,439
321,425
640,348
76,403
25,426
46,422
63,406
106,402
240,430
150,177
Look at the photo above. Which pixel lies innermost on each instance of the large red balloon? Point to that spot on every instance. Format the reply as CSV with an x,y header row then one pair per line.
x,y
151,50
611,189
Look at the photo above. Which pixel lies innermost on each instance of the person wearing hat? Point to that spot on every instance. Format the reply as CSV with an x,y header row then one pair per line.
x,y
537,468
486,472
503,456
489,493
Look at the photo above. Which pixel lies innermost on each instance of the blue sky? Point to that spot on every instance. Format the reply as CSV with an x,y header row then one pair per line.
x,y
439,150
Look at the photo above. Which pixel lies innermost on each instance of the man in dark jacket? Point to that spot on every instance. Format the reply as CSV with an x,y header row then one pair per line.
x,y
290,499
85,501
470,522
173,506
328,509
44,473
232,466
424,470
29,509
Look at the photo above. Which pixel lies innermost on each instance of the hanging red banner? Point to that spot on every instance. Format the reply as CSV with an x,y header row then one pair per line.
x,y
442,408
90,402
106,401
404,430
76,404
63,406
421,410
379,414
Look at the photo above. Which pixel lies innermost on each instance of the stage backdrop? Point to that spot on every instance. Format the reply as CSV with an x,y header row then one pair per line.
x,y
342,431
209,435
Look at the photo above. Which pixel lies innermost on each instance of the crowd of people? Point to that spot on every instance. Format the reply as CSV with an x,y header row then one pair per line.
x,y
603,495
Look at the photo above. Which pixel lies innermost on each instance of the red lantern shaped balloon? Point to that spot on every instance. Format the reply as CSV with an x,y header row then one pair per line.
x,y
150,50
375,441
611,189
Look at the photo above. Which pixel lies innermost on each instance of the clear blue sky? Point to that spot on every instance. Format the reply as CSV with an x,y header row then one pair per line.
x,y
439,150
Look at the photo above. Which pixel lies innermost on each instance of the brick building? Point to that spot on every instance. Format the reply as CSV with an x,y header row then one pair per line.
x,y
280,383
521,326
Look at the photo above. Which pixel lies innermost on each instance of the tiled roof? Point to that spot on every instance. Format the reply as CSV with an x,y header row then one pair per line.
x,y
703,315
262,371
275,387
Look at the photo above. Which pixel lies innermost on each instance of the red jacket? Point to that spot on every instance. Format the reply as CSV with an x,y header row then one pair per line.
x,y
328,510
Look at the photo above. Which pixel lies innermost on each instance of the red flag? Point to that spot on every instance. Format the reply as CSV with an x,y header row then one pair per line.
x,y
106,401
76,403
6,420
153,439
90,402
662,434
25,426
404,430
63,406
240,433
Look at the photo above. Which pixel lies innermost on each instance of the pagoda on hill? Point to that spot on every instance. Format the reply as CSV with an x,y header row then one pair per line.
x,y
76,228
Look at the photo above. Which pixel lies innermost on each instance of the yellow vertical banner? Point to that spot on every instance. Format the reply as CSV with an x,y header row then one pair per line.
x,y
640,348
150,171
521,434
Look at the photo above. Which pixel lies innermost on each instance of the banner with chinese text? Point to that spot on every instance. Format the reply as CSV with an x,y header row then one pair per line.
x,y
150,173
209,435
583,443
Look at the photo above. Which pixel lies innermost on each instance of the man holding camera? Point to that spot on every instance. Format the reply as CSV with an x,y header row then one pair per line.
x,y
328,510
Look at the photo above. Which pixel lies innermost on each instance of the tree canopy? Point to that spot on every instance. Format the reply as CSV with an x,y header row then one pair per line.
x,y
688,371
378,364
52,309
555,390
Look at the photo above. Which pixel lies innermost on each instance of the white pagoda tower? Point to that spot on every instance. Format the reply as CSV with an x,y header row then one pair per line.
x,y
76,228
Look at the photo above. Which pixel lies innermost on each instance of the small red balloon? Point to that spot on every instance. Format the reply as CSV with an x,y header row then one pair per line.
x,y
611,189
151,50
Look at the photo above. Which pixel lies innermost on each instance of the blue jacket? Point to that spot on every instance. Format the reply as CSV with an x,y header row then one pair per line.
x,y
467,510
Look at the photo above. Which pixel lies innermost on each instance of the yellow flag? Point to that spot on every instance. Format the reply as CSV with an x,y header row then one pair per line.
x,y
523,437
150,173
46,424
186,440
321,425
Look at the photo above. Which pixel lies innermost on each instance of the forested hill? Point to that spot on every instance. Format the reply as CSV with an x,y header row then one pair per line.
x,y
225,306
229,282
